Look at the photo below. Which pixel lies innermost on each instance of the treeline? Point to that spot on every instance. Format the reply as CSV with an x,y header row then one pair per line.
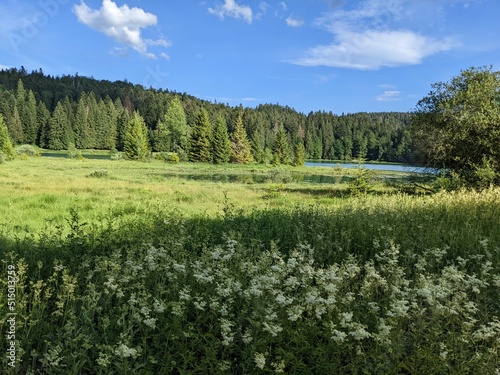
x,y
58,112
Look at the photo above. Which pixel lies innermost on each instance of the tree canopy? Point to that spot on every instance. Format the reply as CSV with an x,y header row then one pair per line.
x,y
457,126
97,115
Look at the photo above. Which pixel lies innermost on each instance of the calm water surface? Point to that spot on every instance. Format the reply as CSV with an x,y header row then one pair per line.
x,y
378,167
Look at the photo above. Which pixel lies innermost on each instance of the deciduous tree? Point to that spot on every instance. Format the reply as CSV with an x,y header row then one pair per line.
x,y
457,126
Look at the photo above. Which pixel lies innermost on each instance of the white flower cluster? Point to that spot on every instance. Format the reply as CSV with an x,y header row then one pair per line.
x,y
251,298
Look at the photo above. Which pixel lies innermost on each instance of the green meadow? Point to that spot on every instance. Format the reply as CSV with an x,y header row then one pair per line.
x,y
129,267
44,189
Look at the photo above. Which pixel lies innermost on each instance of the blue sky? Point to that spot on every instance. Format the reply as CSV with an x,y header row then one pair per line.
x,y
333,55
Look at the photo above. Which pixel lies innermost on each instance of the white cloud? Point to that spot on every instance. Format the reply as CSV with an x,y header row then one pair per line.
x,y
3,67
389,96
231,9
263,6
294,22
123,24
365,38
374,49
387,86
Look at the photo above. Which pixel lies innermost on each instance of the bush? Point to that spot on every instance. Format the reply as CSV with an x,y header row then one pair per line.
x,y
168,157
27,150
362,182
449,181
72,151
280,175
3,159
115,154
99,173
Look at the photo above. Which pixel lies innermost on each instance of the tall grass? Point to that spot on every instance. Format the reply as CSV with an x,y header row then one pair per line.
x,y
40,190
388,285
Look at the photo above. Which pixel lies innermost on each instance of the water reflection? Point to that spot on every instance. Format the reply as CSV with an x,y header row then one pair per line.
x,y
258,178
377,167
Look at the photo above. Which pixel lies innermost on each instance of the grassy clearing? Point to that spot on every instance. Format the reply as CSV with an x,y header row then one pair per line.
x,y
38,190
277,278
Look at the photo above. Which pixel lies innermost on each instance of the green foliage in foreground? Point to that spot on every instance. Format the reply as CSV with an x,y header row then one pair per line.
x,y
409,286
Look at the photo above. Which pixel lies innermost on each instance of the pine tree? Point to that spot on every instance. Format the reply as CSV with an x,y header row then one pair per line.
x,y
221,147
281,148
201,135
136,143
59,132
240,145
5,141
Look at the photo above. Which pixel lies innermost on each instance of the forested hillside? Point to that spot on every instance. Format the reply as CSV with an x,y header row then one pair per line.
x,y
55,112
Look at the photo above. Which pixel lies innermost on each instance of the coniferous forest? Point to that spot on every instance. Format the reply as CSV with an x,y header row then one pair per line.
x,y
58,113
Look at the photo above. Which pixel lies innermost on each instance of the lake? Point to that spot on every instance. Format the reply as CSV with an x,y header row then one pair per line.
x,y
377,166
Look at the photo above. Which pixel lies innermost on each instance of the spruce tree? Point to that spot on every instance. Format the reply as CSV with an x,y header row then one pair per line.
x,y
240,145
30,121
258,144
42,118
20,93
175,122
16,127
221,147
92,121
299,154
281,148
18,120
59,132
122,128
110,117
136,143
79,124
162,137
5,141
201,135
